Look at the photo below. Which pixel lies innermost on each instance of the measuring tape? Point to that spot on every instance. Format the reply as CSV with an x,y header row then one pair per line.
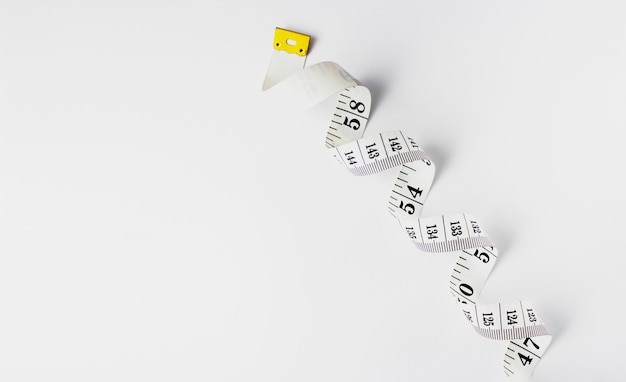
x,y
517,322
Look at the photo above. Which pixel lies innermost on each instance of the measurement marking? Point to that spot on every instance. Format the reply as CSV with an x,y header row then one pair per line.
x,y
340,101
476,310
443,223
383,142
404,173
348,111
456,278
404,139
490,252
343,95
410,168
462,266
332,128
523,313
519,346
509,370
393,198
403,180
360,152
413,200
336,136
452,289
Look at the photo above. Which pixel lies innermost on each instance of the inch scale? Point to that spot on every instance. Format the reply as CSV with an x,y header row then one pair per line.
x,y
516,322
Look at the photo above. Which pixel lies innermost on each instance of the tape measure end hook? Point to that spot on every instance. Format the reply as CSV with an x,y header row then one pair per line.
x,y
291,42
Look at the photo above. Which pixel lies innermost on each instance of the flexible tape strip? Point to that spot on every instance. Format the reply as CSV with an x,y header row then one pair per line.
x,y
517,322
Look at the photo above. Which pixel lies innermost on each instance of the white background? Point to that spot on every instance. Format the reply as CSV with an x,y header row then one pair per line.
x,y
161,220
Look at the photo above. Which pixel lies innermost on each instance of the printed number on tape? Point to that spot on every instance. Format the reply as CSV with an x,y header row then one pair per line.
x,y
303,87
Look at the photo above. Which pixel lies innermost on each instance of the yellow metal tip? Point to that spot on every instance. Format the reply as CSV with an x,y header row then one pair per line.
x,y
291,42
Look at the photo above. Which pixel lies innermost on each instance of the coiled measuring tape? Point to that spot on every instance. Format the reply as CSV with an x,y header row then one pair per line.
x,y
517,322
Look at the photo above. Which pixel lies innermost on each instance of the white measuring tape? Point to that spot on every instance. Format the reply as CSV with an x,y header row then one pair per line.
x,y
517,322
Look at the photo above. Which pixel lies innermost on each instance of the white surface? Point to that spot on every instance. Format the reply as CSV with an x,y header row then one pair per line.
x,y
161,220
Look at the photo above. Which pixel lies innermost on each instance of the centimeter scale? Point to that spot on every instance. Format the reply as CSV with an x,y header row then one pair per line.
x,y
516,322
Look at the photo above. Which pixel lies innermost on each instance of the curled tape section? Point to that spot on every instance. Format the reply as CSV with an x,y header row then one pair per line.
x,y
517,322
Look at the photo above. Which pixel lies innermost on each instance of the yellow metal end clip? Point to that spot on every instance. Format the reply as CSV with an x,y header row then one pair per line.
x,y
291,42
